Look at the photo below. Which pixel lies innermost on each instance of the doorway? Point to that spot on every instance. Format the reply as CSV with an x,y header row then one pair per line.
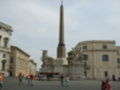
x,y
10,73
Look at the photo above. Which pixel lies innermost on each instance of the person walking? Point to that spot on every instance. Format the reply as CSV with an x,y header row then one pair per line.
x,y
20,79
30,79
1,80
62,80
66,81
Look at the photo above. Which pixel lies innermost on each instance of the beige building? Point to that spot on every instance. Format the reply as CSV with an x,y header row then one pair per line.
x,y
32,66
19,62
5,36
95,59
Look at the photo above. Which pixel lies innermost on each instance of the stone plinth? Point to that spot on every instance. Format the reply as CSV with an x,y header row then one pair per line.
x,y
60,65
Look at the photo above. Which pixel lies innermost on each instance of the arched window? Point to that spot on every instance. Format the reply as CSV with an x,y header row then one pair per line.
x,y
6,40
105,58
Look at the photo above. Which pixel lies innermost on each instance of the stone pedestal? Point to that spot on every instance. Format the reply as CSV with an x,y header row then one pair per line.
x,y
61,65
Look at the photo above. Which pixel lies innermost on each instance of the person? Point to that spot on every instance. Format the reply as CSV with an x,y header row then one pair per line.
x,y
20,79
62,80
103,85
1,80
30,78
113,77
106,85
66,81
26,78
6,75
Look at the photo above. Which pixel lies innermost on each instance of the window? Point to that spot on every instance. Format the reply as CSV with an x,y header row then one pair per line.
x,y
118,60
11,60
84,47
105,47
105,58
6,42
85,57
4,55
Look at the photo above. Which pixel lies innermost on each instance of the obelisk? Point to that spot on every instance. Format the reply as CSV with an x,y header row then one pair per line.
x,y
61,50
61,60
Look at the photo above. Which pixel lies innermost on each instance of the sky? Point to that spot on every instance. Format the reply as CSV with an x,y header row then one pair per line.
x,y
35,23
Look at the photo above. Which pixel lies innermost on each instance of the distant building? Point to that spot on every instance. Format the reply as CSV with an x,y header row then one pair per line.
x,y
19,62
95,59
5,36
32,66
48,63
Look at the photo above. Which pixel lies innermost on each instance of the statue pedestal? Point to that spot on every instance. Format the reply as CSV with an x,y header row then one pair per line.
x,y
61,65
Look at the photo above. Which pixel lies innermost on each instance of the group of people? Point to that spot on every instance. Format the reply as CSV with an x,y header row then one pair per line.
x,y
64,81
28,79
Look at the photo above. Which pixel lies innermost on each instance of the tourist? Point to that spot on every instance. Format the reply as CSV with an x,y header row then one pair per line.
x,y
30,79
103,85
66,81
2,78
62,80
106,85
20,79
113,77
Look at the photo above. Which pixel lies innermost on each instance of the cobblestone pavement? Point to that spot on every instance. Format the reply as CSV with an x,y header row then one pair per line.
x,y
55,85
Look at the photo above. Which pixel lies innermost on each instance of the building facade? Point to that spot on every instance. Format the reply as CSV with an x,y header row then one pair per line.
x,y
19,62
96,59
32,66
5,36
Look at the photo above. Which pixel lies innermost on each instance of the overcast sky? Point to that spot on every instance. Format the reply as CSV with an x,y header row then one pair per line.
x,y
36,23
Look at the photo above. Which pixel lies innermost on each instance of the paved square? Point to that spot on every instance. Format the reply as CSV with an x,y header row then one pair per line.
x,y
55,85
